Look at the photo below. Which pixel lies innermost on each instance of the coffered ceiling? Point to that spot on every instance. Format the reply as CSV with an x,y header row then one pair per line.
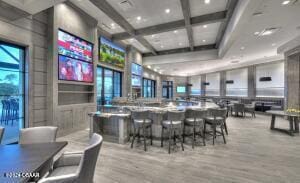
x,y
189,37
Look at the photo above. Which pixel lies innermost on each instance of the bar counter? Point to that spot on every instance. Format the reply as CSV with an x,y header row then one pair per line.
x,y
115,125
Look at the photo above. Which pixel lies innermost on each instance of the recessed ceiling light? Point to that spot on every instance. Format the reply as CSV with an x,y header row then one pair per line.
x,y
155,70
167,10
206,1
131,40
112,24
139,18
175,31
149,66
256,33
204,26
273,44
204,40
268,31
180,44
243,47
285,2
152,35
162,46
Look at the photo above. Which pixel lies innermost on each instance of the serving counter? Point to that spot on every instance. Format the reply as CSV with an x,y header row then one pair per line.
x,y
115,126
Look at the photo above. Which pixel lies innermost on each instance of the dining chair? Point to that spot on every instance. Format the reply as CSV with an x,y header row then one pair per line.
x,y
250,108
76,166
239,108
42,134
1,133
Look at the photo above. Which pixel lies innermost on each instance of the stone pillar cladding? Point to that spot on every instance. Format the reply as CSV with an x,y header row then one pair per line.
x,y
292,79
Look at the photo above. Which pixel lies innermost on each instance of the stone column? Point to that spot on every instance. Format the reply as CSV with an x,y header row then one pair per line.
x,y
251,82
203,87
222,83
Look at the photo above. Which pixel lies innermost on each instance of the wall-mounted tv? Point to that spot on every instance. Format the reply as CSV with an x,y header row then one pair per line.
x,y
74,70
136,81
74,47
111,53
136,69
181,89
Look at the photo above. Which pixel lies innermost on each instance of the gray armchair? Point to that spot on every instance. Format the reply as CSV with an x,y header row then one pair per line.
x,y
1,133
41,134
76,167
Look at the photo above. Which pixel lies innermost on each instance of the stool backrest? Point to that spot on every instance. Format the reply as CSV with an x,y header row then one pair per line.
x,y
176,115
218,112
135,114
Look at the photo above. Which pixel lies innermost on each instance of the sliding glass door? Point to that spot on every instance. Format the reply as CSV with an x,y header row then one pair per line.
x,y
11,91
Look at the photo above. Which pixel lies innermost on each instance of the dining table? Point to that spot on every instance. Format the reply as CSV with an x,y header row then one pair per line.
x,y
22,162
293,119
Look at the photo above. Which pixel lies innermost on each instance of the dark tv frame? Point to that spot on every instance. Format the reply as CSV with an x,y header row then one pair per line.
x,y
99,45
92,62
59,29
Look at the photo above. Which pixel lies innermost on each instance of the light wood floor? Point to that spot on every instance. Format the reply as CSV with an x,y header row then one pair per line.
x,y
253,153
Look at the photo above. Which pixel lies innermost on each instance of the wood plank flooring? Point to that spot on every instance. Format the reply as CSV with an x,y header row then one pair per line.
x,y
253,153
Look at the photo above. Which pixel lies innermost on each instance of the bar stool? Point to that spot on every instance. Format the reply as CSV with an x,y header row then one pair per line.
x,y
173,123
195,119
140,120
216,118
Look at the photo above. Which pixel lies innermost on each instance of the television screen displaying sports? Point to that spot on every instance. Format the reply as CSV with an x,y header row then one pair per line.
x,y
75,70
111,53
181,89
136,69
74,47
136,81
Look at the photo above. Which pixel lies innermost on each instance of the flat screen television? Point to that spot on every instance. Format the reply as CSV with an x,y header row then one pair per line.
x,y
111,53
74,47
136,69
181,89
136,81
70,69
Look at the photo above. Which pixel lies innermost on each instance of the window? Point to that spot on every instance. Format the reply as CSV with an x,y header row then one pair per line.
x,y
196,85
167,89
237,83
109,85
149,87
270,80
213,84
11,90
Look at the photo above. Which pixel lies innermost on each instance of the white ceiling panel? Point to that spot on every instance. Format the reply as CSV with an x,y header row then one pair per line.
x,y
206,34
103,20
150,12
136,44
169,40
199,7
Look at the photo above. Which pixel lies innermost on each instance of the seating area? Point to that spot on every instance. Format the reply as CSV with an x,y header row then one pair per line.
x,y
149,91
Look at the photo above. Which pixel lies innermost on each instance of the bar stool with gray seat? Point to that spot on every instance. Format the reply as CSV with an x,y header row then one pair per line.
x,y
42,134
216,118
1,133
140,120
76,166
195,119
173,123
